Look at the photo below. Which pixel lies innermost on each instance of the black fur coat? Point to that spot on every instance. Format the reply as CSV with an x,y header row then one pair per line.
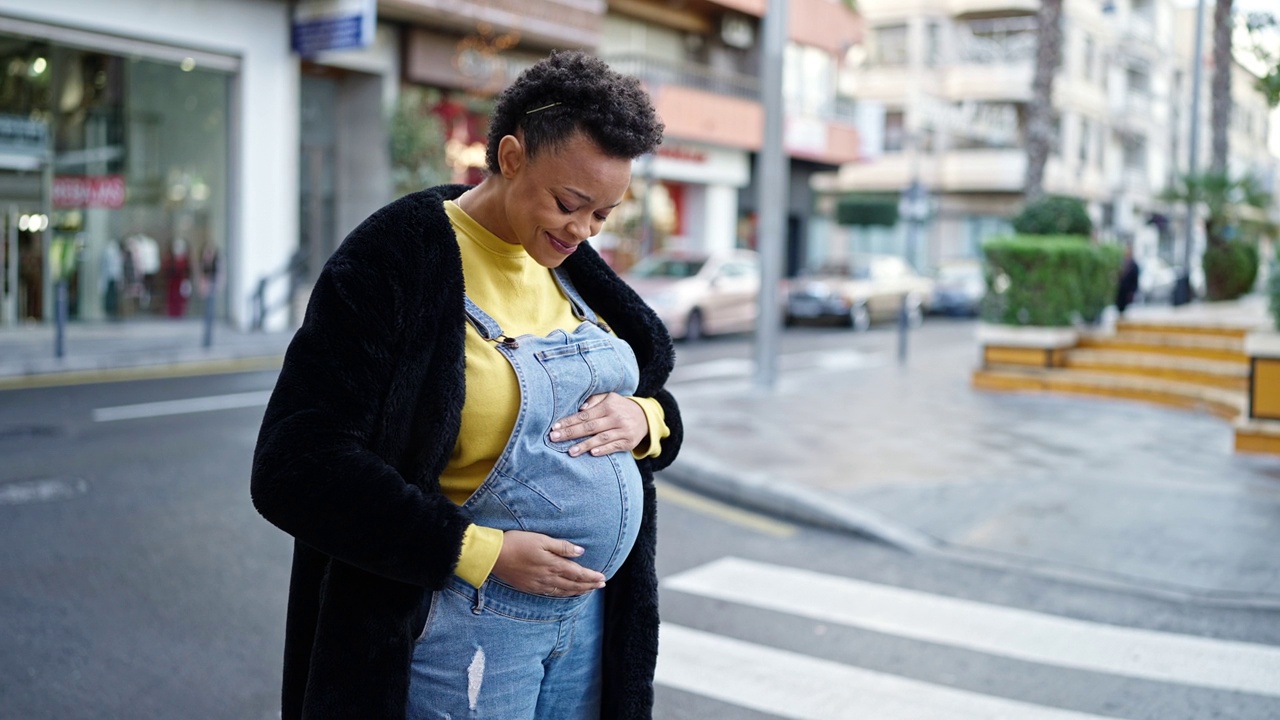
x,y
361,423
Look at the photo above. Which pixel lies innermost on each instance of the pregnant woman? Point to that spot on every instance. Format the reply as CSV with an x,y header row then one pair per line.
x,y
463,436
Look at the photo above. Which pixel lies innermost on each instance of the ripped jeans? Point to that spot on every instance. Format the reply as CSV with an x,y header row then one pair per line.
x,y
501,668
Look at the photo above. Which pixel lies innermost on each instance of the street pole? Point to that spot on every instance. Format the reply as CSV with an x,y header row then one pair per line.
x,y
772,194
913,210
1182,290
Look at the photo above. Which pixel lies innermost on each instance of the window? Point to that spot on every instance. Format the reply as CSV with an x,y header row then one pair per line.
x,y
891,45
894,131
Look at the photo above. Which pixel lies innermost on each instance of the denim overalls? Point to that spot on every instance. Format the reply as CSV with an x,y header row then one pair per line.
x,y
497,652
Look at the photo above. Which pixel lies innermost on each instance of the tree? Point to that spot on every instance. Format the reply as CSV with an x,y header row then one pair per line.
x,y
1234,217
1040,126
1223,61
1264,40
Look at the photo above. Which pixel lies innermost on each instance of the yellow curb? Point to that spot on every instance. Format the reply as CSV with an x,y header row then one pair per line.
x,y
142,372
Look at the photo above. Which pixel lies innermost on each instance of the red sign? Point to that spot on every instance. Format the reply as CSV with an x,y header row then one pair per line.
x,y
88,191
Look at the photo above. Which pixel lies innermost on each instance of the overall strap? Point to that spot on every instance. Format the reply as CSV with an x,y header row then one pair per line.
x,y
486,326
580,307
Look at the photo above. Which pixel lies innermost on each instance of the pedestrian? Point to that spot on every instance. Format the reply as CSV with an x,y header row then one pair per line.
x,y
468,475
1127,288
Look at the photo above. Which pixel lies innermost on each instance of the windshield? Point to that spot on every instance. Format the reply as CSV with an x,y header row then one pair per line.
x,y
666,267
958,273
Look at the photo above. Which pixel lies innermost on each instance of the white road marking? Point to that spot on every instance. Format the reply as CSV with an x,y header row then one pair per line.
x,y
800,687
991,629
182,407
42,490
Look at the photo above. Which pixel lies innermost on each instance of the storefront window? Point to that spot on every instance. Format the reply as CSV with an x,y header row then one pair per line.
x,y
130,184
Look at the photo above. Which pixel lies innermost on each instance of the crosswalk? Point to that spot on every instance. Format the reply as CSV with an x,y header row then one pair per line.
x,y
790,683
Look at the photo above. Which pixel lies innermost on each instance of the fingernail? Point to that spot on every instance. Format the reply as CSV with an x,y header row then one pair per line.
x,y
595,451
575,451
555,435
577,550
555,426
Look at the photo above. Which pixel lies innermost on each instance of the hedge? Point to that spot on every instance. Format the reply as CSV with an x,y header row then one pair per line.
x,y
1053,281
1230,269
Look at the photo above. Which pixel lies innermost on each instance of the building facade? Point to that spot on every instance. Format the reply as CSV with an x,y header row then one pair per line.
x,y
952,79
148,156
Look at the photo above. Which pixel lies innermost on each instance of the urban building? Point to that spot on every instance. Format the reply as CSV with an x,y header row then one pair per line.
x,y
951,81
701,63
148,156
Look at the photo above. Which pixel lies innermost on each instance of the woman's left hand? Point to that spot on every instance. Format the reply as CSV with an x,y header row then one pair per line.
x,y
610,423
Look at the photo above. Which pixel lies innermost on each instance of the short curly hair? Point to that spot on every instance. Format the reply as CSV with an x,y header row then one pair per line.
x,y
572,91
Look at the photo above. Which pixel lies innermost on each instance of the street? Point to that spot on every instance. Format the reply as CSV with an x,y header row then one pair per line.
x,y
140,583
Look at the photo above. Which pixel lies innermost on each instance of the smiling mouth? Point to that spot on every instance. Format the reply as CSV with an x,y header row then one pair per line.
x,y
561,247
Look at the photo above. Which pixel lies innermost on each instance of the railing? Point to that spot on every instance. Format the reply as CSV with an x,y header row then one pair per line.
x,y
291,273
986,42
661,71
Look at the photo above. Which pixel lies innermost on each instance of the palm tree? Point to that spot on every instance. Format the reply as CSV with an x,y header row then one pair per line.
x,y
1040,129
1220,124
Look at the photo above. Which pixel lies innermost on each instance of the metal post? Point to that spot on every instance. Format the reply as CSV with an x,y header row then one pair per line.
x,y
772,193
646,213
1182,290
60,318
210,299
11,268
913,210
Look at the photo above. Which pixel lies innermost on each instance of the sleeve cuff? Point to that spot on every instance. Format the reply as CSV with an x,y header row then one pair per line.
x,y
651,446
480,548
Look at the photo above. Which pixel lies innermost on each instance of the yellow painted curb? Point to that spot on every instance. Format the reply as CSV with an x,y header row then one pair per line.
x,y
143,372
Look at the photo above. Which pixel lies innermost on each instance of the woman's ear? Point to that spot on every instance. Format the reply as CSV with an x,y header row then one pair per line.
x,y
510,155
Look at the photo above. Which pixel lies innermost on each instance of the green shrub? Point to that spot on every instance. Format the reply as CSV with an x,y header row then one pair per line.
x,y
1230,269
1054,215
1051,281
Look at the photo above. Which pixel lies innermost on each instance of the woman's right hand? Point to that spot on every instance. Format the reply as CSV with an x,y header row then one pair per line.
x,y
542,565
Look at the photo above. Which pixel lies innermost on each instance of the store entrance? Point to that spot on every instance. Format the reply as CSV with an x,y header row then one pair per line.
x,y
24,229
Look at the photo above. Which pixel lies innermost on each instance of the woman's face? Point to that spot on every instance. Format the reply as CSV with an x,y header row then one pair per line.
x,y
561,197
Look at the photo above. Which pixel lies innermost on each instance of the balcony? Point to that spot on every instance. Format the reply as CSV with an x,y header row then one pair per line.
x,y
657,72
962,8
550,23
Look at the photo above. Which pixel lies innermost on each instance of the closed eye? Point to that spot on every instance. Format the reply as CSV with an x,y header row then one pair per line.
x,y
563,208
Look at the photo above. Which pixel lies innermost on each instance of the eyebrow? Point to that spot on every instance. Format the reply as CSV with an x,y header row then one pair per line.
x,y
587,198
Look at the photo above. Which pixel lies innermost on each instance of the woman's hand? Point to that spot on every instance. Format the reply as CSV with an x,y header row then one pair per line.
x,y
610,423
536,563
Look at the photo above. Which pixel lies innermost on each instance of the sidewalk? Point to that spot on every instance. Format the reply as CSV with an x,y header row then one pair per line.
x,y
1114,493
112,351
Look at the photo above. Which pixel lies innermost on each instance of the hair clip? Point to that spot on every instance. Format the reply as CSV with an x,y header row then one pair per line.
x,y
540,109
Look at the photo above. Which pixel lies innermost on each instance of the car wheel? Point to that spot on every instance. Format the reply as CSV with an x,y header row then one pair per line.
x,y
693,330
859,317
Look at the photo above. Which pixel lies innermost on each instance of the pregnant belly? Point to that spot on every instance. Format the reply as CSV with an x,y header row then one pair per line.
x,y
593,502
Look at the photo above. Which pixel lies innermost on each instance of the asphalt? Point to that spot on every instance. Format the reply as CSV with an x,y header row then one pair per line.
x,y
1117,494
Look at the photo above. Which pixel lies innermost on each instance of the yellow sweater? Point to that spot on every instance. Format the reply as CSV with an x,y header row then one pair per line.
x,y
523,297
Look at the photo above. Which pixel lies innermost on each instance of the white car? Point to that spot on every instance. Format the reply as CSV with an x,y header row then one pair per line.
x,y
697,293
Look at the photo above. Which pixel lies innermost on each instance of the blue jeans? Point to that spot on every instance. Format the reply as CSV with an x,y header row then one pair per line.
x,y
496,652
499,653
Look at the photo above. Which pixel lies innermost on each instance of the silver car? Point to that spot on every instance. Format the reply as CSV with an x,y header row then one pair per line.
x,y
699,293
863,290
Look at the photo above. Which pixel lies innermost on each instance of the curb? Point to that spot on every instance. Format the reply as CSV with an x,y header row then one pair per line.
x,y
141,371
784,499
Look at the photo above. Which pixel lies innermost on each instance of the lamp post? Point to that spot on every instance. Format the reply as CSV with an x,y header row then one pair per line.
x,y
914,208
1182,289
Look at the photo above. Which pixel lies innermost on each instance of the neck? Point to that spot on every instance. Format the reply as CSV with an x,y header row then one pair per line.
x,y
486,204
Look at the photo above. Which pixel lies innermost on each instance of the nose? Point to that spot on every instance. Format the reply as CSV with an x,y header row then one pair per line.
x,y
578,229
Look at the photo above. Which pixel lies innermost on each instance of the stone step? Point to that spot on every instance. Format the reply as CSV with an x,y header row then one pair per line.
x,y
1222,402
1209,347
1184,328
1226,374
1257,436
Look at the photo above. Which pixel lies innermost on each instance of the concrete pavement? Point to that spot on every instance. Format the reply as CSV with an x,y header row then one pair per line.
x,y
1112,493
1109,492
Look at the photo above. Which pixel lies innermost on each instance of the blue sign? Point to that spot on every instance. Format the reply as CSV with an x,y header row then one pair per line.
x,y
320,25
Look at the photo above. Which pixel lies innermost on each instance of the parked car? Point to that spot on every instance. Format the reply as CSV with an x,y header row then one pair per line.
x,y
958,287
697,293
864,290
